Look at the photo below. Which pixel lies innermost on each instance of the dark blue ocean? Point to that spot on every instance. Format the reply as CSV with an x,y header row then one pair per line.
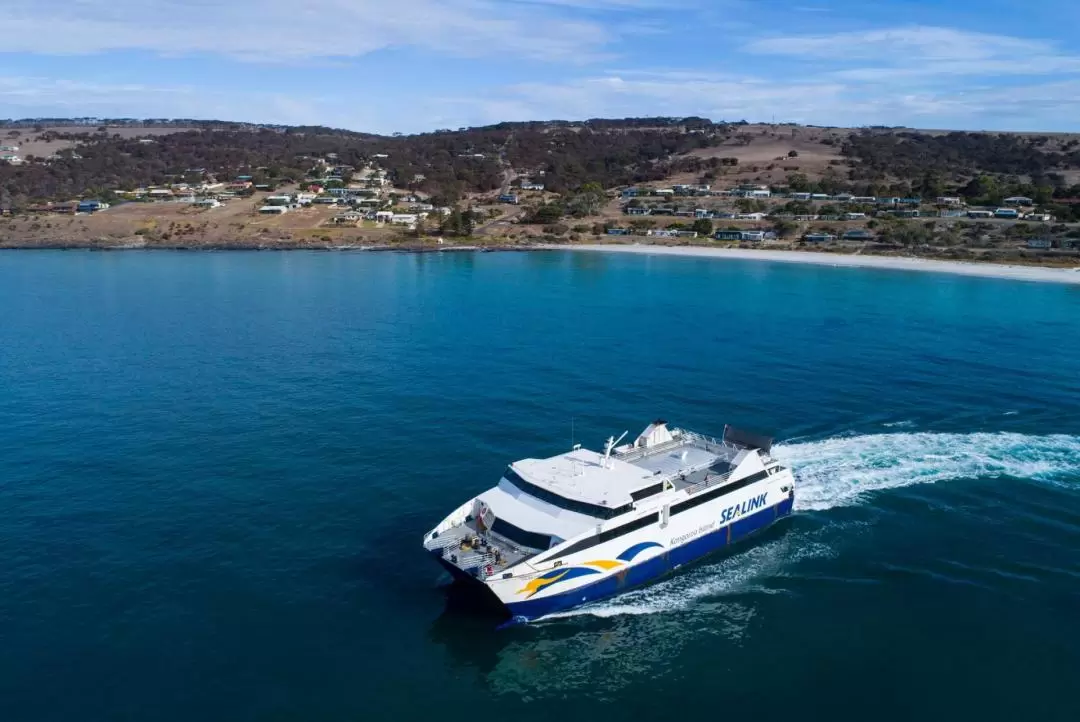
x,y
216,470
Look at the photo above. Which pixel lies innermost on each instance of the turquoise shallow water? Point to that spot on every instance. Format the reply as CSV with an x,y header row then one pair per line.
x,y
215,471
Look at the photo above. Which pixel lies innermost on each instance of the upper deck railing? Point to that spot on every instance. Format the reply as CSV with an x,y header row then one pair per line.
x,y
723,449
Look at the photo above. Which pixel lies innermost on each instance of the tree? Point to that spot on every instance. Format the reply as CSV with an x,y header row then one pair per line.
x,y
785,229
702,226
467,222
793,154
798,182
749,205
546,214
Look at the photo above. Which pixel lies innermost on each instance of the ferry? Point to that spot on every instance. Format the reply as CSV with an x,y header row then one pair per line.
x,y
580,526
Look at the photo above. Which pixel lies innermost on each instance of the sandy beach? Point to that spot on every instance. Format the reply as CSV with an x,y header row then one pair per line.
x,y
986,270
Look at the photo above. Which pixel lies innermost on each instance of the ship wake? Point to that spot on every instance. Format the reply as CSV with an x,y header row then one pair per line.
x,y
848,471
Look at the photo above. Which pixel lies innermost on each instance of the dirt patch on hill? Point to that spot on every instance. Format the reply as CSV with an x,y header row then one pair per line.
x,y
763,154
38,144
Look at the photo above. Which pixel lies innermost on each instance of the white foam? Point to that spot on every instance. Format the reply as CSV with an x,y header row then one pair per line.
x,y
842,471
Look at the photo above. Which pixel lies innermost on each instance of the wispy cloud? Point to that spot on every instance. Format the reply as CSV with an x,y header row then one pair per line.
x,y
920,51
284,30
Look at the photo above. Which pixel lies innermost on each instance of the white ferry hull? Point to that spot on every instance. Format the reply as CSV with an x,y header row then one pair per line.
x,y
581,526
647,562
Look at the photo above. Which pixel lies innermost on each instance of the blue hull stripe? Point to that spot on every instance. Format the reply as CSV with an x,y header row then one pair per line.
x,y
653,568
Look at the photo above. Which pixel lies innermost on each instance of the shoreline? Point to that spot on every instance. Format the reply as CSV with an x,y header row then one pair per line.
x,y
979,269
893,263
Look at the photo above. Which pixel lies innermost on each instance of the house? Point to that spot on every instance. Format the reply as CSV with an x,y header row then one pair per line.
x,y
508,198
865,200
819,238
160,193
618,231
273,210
857,234
952,213
757,216
9,148
950,201
907,214
347,218
843,197
325,200
671,233
404,219
854,216
1019,201
278,200
759,193
702,213
630,193
207,203
800,196
820,197
532,186
980,214
909,202
1006,213
734,235
1039,217
1040,243
384,216
666,192
11,158
91,206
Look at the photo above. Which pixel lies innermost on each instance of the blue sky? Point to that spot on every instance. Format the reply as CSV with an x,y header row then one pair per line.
x,y
424,64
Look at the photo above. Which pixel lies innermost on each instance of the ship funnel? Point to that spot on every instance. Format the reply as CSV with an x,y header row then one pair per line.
x,y
655,434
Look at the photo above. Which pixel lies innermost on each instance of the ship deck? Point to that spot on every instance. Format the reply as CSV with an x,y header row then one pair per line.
x,y
466,547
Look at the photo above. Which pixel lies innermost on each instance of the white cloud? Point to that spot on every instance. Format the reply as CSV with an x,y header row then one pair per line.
x,y
286,30
1040,106
894,54
923,41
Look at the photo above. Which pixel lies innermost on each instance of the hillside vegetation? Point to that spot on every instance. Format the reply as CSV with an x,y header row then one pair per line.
x,y
448,164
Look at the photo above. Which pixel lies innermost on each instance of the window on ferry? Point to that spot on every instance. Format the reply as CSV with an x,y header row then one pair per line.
x,y
520,536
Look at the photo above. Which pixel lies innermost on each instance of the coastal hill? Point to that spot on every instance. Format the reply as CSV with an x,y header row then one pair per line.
x,y
559,180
